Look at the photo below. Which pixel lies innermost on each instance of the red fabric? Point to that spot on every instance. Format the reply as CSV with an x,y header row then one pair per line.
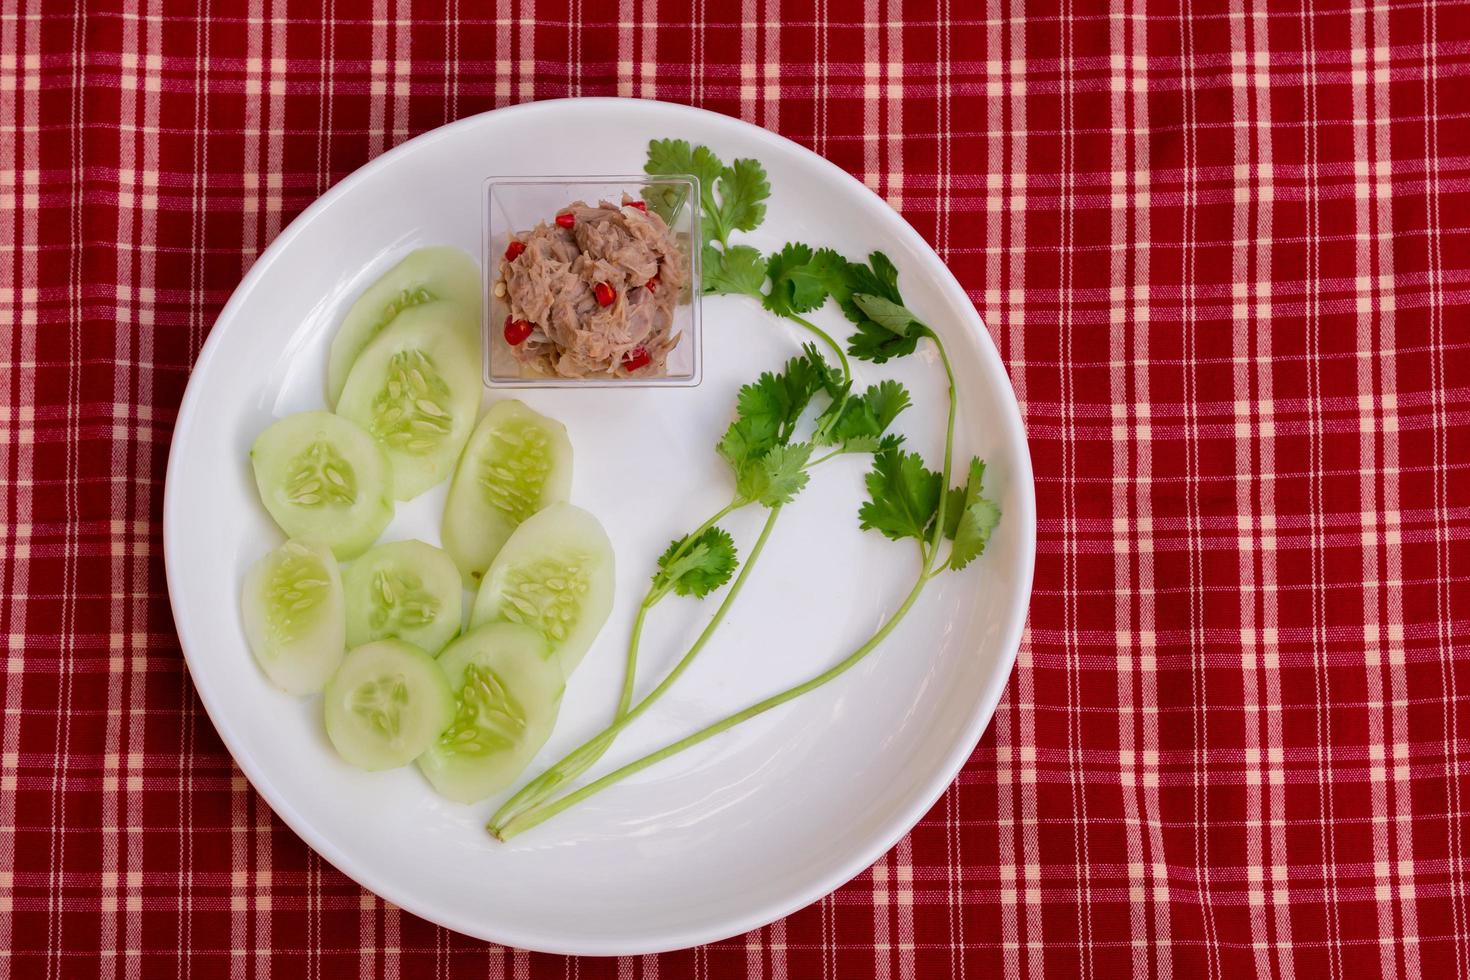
x,y
1223,250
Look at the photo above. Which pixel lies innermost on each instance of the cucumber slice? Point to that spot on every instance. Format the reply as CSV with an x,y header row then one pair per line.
x,y
507,694
516,462
425,275
416,389
323,478
386,704
555,574
293,611
403,590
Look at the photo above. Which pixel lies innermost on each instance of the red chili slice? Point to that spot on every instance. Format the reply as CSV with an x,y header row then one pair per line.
x,y
516,331
640,205
604,294
566,220
652,284
637,358
513,250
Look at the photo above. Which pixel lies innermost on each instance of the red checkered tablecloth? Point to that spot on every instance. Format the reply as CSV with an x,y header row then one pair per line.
x,y
1223,250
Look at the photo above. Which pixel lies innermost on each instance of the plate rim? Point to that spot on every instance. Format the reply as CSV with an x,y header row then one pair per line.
x,y
908,816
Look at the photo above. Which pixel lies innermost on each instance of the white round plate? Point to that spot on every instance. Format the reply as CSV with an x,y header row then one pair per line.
x,y
746,827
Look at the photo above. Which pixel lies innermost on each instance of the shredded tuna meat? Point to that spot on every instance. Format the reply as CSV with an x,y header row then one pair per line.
x,y
552,284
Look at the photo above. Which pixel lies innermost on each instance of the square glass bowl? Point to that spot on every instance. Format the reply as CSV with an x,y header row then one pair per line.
x,y
516,204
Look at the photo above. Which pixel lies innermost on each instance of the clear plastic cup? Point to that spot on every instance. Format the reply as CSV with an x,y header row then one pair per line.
x,y
516,204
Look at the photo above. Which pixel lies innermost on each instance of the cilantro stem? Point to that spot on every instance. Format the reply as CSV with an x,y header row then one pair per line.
x,y
654,593
827,339
651,598
580,759
937,535
530,818
822,459
631,669
538,812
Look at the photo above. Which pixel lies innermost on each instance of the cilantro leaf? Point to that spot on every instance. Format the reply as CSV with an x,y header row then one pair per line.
x,y
794,288
871,444
858,423
826,377
886,273
824,431
777,476
769,407
869,297
889,330
976,522
779,399
803,378
863,444
969,518
743,192
739,269
894,317
869,416
664,200
767,400
875,342
903,496
802,279
668,158
831,269
886,400
698,567
891,441
748,439
878,278
731,198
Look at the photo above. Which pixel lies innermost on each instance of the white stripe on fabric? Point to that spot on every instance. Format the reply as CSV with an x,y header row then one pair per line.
x,y
1317,493
770,83
1402,880
1368,498
402,62
1025,674
1126,631
1260,923
377,80
1443,461
125,298
1005,723
19,158
1261,299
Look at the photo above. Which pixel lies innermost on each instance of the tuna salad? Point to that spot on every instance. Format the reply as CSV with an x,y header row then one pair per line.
x,y
592,293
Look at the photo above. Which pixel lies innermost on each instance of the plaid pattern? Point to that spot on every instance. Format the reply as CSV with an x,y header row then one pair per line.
x,y
1223,248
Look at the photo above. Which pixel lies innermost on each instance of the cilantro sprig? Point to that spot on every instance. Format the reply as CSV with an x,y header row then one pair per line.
x,y
732,198
696,565
770,464
905,499
801,278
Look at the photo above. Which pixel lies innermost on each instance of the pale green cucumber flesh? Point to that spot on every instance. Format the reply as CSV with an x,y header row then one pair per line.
x,y
555,575
416,390
386,704
404,590
507,694
322,478
292,608
426,275
516,462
